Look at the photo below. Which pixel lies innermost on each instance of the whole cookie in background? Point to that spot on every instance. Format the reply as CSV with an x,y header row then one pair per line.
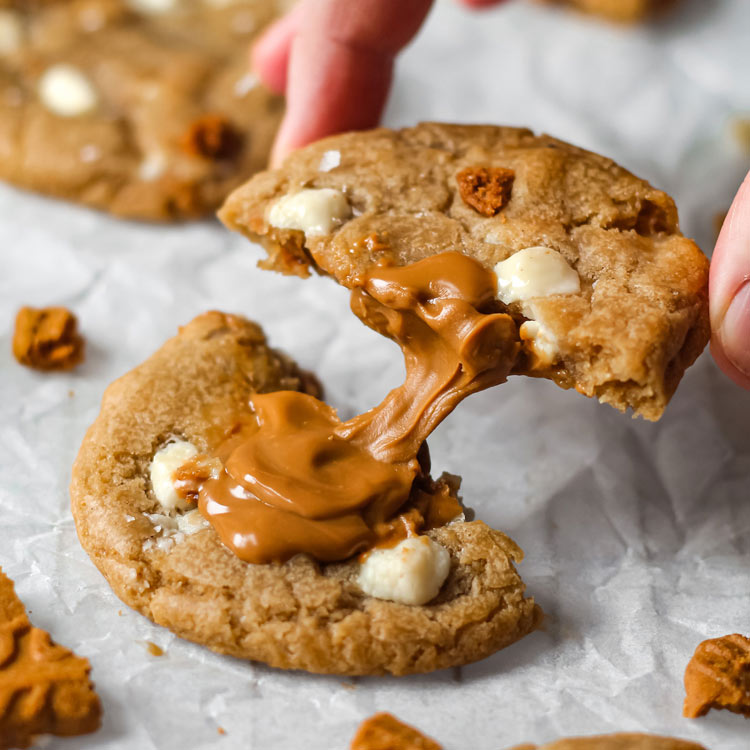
x,y
167,562
144,108
610,297
624,11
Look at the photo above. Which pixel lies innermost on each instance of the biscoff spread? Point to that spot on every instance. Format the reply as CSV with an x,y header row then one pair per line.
x,y
294,479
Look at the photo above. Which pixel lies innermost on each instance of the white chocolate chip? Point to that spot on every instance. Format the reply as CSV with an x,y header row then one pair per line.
x,y
330,160
245,85
163,466
90,153
191,522
11,32
541,342
412,572
153,166
535,272
66,91
153,7
314,211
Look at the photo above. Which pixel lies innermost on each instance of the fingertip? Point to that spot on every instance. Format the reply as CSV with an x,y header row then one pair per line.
x,y
269,56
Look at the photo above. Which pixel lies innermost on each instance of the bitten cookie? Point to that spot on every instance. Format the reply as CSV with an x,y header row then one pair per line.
x,y
144,108
610,297
170,565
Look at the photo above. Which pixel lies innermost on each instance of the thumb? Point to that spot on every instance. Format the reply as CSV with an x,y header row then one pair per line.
x,y
729,291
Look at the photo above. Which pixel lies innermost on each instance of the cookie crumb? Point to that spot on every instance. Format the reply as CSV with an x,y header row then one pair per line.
x,y
486,189
34,665
47,338
385,732
221,730
153,649
718,676
212,137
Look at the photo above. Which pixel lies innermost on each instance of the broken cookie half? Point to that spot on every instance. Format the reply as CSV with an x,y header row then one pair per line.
x,y
445,594
608,295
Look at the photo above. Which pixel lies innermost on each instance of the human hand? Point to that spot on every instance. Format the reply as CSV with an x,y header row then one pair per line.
x,y
334,60
729,291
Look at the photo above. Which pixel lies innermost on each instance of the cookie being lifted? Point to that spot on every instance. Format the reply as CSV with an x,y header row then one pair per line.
x,y
144,108
610,297
438,599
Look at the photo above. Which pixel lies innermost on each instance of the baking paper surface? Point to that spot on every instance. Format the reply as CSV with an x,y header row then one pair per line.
x,y
636,535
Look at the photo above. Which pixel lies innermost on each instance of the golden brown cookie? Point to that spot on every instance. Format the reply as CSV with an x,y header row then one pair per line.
x,y
144,108
44,688
299,615
623,11
625,741
385,732
47,338
718,676
626,336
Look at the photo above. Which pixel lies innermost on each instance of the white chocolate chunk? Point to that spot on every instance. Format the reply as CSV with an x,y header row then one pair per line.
x,y
541,342
153,7
66,91
153,166
191,522
163,466
11,32
535,272
330,160
412,572
246,84
315,211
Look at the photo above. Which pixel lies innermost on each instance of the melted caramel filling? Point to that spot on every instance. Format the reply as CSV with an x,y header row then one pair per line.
x,y
295,479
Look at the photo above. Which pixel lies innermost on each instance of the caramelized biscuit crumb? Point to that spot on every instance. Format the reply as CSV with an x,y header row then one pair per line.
x,y
47,338
212,137
718,676
385,732
44,688
486,189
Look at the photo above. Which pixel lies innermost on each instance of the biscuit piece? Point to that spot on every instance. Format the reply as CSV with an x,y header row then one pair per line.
x,y
299,615
718,676
144,108
641,316
385,732
44,688
616,742
47,338
623,11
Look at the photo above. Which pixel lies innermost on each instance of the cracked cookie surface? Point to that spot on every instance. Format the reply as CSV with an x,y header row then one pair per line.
x,y
143,108
299,615
641,316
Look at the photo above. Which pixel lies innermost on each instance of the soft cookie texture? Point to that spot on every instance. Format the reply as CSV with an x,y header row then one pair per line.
x,y
640,317
144,108
299,615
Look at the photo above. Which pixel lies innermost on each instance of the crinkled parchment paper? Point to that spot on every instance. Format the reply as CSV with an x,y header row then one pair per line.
x,y
637,536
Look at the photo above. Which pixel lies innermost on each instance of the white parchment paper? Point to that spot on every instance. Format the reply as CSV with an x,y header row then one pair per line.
x,y
637,535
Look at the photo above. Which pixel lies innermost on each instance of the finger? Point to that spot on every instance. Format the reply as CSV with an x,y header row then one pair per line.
x,y
729,291
341,66
269,57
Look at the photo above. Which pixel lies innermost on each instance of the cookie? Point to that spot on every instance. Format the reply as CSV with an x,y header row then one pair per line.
x,y
296,615
144,108
613,296
44,688
47,338
718,676
385,732
616,742
624,11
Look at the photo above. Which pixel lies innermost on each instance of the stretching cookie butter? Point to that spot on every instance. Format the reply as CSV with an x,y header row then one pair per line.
x,y
295,479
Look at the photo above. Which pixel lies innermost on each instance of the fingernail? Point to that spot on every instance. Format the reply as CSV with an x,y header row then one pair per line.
x,y
735,330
